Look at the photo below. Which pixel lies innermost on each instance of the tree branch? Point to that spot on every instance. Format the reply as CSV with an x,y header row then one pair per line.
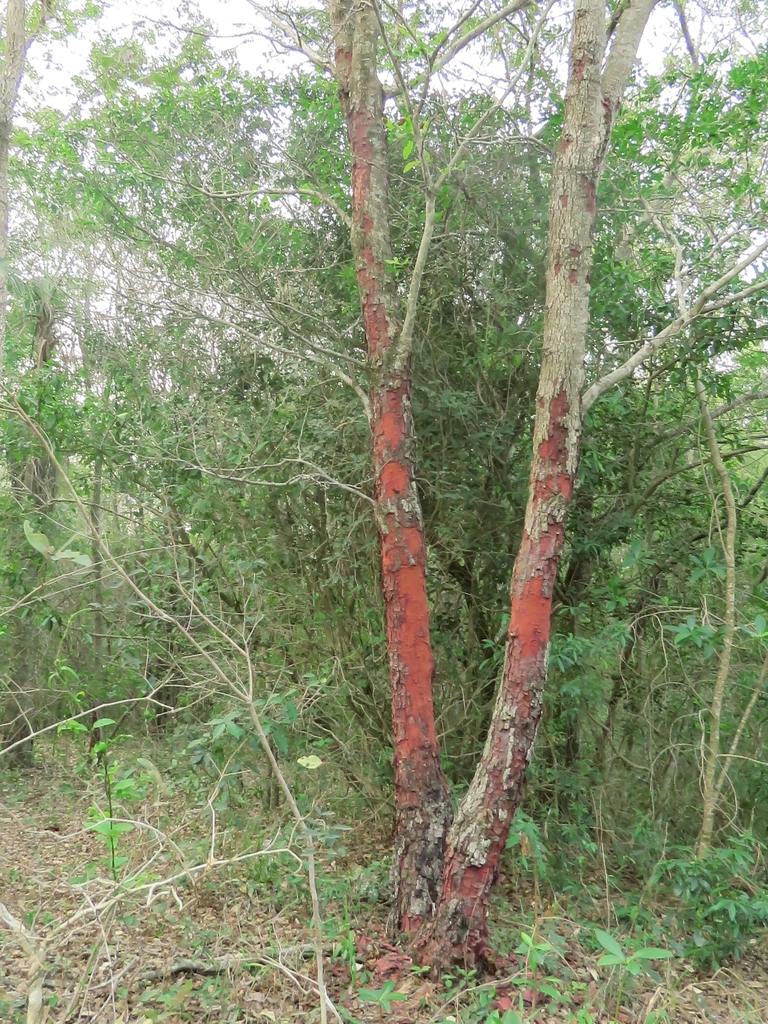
x,y
436,64
36,971
623,53
721,410
687,35
293,40
700,308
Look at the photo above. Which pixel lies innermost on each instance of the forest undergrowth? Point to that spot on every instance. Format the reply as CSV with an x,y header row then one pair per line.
x,y
581,931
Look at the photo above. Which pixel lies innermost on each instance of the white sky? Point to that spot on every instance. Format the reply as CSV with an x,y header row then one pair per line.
x,y
55,63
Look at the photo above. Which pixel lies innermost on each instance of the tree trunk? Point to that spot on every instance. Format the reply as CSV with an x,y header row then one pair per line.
x,y
19,706
422,805
479,833
710,789
10,78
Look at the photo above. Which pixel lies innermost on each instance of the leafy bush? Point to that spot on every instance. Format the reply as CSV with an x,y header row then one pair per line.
x,y
722,901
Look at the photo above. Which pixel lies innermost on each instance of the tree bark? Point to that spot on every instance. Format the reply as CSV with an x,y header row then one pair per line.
x,y
710,790
479,832
422,805
20,705
10,78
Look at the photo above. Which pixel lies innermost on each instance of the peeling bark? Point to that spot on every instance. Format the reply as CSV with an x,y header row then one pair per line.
x,y
479,832
422,805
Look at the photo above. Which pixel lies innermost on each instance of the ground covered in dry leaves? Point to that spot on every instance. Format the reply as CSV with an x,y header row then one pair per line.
x,y
233,942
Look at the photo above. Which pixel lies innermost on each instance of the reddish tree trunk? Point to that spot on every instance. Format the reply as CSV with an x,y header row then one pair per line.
x,y
422,806
479,833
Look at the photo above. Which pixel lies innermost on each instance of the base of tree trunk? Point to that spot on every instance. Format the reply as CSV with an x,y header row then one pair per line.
x,y
421,828
457,935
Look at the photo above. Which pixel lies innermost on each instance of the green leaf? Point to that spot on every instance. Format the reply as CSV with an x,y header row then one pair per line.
x,y
39,541
384,996
609,944
407,149
651,953
511,1017
760,624
124,787
102,723
611,959
311,761
71,726
552,992
79,557
118,827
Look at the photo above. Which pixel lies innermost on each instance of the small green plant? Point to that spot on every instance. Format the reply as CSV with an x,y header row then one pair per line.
x,y
383,997
479,1012
581,1016
420,971
630,963
535,952
116,789
345,950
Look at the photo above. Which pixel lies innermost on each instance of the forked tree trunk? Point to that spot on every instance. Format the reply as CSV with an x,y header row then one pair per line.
x,y
479,832
422,806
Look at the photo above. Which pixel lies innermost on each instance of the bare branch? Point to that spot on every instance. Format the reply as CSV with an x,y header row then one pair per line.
x,y
406,332
292,37
687,34
740,729
316,476
710,789
307,356
437,63
721,410
668,474
700,308
483,119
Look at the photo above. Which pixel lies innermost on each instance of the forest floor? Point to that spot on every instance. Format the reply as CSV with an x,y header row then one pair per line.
x,y
236,943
